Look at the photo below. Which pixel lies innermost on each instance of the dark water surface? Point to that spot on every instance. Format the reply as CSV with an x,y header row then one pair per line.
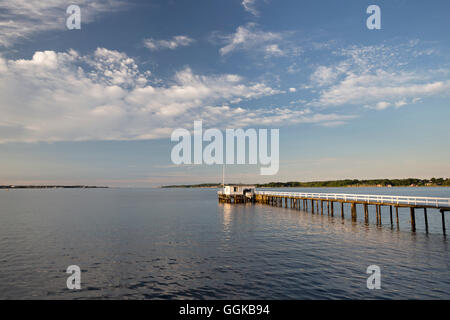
x,y
164,244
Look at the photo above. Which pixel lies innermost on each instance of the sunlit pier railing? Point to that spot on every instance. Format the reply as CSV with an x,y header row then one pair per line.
x,y
381,199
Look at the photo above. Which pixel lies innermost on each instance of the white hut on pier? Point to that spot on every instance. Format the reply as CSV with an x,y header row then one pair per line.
x,y
237,190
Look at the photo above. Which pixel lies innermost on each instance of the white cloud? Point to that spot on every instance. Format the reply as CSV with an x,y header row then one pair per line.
x,y
22,19
366,89
400,103
293,68
63,96
371,76
278,116
250,38
249,6
382,105
175,42
274,50
324,75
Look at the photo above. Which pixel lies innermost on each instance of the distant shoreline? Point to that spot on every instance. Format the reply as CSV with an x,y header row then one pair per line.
x,y
349,183
236,184
50,187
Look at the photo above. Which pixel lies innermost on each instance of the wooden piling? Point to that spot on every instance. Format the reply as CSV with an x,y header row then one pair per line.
x,y
426,219
321,207
390,212
342,210
379,214
353,209
396,214
443,220
413,219
366,213
377,207
332,208
312,206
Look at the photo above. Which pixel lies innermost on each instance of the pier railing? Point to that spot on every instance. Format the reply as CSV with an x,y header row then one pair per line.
x,y
381,199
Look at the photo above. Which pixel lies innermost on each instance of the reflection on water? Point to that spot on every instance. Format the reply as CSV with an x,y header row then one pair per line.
x,y
165,244
227,216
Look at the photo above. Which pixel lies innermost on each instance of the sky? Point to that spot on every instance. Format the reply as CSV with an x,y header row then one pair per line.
x,y
98,105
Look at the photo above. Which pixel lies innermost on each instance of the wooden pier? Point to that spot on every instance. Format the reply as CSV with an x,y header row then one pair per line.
x,y
315,203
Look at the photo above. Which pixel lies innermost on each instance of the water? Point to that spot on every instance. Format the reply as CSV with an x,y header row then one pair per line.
x,y
182,244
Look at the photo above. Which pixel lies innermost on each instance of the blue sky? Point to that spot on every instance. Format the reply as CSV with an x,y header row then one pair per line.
x,y
98,105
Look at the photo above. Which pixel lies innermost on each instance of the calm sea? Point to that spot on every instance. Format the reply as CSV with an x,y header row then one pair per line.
x,y
182,244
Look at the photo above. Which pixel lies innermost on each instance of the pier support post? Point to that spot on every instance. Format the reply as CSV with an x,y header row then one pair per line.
x,y
312,206
366,213
443,220
396,215
342,210
413,219
328,207
332,208
353,209
379,213
390,212
317,206
426,219
377,207
321,207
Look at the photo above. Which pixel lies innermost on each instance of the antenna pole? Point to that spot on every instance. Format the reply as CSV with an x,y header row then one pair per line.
x,y
223,176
